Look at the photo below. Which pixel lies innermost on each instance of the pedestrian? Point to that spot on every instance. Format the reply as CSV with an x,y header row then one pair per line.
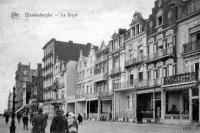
x,y
67,129
25,121
59,123
39,122
19,115
46,116
72,123
6,115
80,119
31,117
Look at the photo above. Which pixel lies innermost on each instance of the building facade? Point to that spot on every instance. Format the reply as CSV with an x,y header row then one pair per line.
x,y
135,68
86,94
10,102
116,59
160,60
36,89
105,95
70,86
23,80
56,56
180,92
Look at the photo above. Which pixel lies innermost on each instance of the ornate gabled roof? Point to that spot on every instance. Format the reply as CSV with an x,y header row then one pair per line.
x,y
137,17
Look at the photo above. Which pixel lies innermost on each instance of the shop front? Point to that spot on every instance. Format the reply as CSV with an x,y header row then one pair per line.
x,y
180,103
148,105
125,105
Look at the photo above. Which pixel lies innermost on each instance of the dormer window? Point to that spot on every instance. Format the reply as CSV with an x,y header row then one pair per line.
x,y
160,19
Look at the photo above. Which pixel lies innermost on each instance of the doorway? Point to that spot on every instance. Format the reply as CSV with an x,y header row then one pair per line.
x,y
195,110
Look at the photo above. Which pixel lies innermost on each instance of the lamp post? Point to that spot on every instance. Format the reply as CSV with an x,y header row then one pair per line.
x,y
12,126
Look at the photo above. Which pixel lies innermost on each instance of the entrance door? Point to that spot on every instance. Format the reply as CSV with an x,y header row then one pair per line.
x,y
195,110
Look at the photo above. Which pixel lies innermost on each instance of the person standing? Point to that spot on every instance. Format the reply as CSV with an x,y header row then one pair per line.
x,y
80,119
59,123
39,122
19,116
72,123
6,115
25,121
31,117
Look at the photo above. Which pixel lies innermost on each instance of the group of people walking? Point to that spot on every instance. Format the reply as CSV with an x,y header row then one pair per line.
x,y
60,123
65,124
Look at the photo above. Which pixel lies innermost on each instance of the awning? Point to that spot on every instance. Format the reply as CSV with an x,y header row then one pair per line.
x,y
20,109
180,86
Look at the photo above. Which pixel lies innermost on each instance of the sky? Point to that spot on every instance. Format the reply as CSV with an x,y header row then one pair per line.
x,y
22,37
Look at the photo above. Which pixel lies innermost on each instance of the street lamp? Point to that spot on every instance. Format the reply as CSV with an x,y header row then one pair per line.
x,y
12,126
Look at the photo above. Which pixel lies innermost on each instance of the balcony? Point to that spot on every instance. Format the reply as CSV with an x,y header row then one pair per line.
x,y
138,84
134,61
82,95
181,78
100,77
115,71
100,59
91,95
47,56
191,48
106,93
161,54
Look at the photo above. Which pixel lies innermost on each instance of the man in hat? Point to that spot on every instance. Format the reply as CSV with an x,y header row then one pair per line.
x,y
39,122
59,123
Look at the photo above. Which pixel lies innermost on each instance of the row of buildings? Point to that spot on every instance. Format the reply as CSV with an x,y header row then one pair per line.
x,y
149,70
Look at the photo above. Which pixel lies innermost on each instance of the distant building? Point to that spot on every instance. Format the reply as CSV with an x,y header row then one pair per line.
x,y
10,101
36,88
22,76
55,53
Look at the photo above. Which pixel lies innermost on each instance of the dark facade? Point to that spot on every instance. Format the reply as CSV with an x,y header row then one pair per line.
x,y
22,76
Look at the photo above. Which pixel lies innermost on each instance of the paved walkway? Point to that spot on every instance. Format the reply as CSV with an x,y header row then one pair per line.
x,y
112,127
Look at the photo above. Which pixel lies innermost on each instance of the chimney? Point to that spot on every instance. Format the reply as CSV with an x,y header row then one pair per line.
x,y
70,41
88,44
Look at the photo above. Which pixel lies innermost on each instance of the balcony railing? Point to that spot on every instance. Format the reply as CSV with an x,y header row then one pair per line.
x,y
160,54
181,78
137,84
82,95
191,47
192,8
102,58
115,71
106,93
91,95
133,61
100,76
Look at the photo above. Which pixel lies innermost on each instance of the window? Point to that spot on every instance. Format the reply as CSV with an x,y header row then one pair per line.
x,y
116,62
131,79
128,102
159,20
